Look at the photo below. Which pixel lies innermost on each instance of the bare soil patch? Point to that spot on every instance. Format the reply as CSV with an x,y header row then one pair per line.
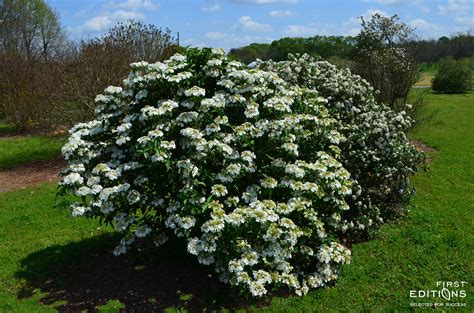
x,y
29,174
424,148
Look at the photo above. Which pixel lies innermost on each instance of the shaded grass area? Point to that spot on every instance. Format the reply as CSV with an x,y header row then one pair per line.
x,y
6,129
49,260
16,150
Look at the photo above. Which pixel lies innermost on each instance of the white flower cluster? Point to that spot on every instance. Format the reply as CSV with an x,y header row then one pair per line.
x,y
251,170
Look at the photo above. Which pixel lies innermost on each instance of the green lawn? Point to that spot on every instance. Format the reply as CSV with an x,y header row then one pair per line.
x,y
21,149
48,256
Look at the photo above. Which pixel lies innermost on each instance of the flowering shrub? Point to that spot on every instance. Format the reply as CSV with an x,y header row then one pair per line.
x,y
376,151
249,168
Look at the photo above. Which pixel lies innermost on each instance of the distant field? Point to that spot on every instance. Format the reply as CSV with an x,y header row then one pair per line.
x,y
427,74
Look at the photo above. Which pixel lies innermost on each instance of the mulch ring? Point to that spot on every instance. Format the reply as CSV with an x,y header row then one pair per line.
x,y
29,174
424,148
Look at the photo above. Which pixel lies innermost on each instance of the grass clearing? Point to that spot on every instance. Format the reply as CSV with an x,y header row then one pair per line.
x,y
44,251
16,150
427,74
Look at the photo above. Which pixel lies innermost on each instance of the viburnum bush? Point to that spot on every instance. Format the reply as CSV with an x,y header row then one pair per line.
x,y
375,151
262,174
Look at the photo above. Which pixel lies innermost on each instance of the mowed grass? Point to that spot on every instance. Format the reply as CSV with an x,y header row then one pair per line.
x,y
16,150
40,240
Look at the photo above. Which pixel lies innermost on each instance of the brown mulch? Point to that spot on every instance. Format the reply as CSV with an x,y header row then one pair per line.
x,y
29,174
83,275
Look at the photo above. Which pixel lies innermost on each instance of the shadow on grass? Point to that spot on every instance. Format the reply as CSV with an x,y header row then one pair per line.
x,y
83,275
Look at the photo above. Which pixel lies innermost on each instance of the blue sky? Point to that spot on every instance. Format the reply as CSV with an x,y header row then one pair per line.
x,y
234,23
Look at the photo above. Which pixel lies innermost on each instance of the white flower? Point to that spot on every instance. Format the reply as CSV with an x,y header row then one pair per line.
x,y
78,210
141,94
194,246
191,133
257,289
113,90
83,191
268,182
142,231
213,226
195,91
251,110
291,148
219,190
133,196
187,222
72,179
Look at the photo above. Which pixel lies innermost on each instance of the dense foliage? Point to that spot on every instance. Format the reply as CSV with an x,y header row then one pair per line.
x,y
453,77
278,50
457,46
263,177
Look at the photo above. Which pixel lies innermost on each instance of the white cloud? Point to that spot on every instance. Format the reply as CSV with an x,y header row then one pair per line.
x,y
80,13
456,6
96,24
394,2
370,12
300,31
355,21
227,40
419,3
135,5
216,35
353,32
248,24
308,30
101,23
211,6
126,15
232,40
263,1
468,21
112,13
421,24
280,13
193,43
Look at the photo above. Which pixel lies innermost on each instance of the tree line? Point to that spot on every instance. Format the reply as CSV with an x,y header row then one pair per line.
x,y
343,49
